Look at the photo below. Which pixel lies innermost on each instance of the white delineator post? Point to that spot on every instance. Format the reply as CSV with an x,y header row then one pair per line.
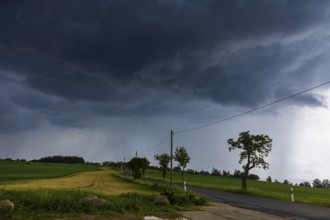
x,y
184,186
292,195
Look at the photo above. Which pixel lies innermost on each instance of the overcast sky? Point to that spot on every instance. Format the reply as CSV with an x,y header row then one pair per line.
x,y
104,79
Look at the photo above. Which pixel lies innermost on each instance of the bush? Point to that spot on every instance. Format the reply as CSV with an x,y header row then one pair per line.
x,y
181,198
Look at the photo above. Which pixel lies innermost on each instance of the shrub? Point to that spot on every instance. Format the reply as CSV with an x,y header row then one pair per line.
x,y
181,198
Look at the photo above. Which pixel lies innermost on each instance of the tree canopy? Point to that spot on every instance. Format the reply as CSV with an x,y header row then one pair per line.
x,y
254,149
138,166
182,157
163,159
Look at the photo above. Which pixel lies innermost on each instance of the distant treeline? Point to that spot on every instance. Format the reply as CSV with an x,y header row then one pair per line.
x,y
61,159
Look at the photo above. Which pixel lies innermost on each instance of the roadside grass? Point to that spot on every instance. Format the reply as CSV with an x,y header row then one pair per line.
x,y
307,195
55,203
49,197
12,170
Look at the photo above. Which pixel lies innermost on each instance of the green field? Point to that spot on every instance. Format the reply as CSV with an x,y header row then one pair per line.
x,y
308,195
11,170
47,191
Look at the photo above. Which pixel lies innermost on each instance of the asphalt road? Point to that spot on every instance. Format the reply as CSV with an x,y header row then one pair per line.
x,y
280,208
285,209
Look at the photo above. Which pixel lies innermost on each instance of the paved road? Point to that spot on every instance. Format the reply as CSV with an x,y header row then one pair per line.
x,y
280,208
270,206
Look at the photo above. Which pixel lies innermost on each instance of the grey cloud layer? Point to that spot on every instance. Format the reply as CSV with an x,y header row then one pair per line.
x,y
114,58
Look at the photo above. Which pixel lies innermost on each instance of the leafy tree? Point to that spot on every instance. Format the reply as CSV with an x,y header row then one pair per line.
x,y
317,183
138,166
215,172
237,173
269,179
254,149
325,184
226,173
163,160
306,184
182,157
205,173
286,181
61,159
253,177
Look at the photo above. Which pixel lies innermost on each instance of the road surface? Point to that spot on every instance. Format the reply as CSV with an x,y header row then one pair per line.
x,y
270,206
280,208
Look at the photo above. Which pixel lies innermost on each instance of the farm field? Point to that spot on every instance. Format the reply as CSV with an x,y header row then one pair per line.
x,y
42,191
308,195
11,170
102,181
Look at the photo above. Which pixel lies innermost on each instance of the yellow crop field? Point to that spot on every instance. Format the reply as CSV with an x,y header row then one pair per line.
x,y
103,181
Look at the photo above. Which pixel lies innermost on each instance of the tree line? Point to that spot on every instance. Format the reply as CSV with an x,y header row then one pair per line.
x,y
61,159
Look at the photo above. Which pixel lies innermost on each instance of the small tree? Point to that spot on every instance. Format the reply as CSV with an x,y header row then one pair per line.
x,y
286,181
163,160
182,157
215,172
269,179
306,184
138,166
254,149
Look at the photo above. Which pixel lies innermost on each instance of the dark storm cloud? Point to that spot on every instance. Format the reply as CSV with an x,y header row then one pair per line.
x,y
115,58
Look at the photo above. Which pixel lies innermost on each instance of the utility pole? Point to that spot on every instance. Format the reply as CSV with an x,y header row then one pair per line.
x,y
171,173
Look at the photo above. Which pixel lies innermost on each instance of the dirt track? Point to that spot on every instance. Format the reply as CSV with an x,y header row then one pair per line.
x,y
220,211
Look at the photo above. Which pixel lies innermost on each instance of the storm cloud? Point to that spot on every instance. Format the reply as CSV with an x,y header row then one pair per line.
x,y
130,57
83,64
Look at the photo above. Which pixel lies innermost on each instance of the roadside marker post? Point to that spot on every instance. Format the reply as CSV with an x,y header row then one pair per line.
x,y
292,195
184,186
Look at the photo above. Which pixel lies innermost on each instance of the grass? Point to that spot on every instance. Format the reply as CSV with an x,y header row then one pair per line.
x,y
42,191
12,170
50,203
307,195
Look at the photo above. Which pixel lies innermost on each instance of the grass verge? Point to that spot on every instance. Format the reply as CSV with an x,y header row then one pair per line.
x,y
45,203
307,195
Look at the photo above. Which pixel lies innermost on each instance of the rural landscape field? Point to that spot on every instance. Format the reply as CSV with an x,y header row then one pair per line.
x,y
47,190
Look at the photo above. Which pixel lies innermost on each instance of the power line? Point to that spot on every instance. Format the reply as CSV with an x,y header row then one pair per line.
x,y
249,111
156,145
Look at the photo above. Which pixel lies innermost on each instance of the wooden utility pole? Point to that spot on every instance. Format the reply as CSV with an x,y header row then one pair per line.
x,y
171,173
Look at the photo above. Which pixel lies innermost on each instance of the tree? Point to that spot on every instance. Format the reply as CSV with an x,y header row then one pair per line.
x,y
254,149
253,177
237,173
317,183
286,181
182,157
269,179
215,172
163,160
306,184
138,166
325,184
